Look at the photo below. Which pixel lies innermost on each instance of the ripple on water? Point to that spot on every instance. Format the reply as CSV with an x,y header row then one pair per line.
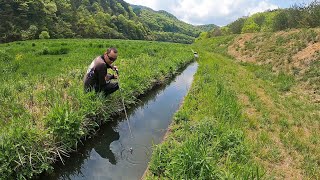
x,y
138,155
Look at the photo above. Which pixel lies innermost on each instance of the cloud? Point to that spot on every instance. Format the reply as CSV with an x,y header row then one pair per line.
x,y
218,12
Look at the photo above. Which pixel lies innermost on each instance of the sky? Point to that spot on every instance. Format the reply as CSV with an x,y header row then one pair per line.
x,y
219,12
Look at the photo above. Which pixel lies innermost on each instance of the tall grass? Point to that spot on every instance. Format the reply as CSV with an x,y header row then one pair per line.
x,y
207,140
242,120
46,111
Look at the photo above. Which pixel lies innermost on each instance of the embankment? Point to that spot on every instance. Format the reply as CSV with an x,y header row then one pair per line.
x,y
242,120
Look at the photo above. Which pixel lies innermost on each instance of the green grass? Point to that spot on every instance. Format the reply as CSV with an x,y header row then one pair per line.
x,y
207,139
240,121
47,112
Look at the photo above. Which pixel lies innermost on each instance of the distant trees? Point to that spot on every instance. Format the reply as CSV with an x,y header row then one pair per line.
x,y
30,33
250,26
32,19
162,21
44,35
280,21
298,16
236,26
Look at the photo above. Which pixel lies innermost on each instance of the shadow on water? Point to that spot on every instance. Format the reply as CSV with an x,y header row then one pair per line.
x,y
107,155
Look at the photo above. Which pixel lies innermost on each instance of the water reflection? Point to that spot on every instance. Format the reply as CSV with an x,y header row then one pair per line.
x,y
108,155
103,147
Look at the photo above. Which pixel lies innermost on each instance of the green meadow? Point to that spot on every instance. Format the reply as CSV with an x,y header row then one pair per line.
x,y
45,112
240,121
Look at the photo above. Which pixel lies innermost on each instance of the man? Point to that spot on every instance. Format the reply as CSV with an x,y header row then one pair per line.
x,y
97,77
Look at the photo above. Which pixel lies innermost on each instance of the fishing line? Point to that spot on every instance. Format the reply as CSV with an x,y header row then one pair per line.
x,y
124,107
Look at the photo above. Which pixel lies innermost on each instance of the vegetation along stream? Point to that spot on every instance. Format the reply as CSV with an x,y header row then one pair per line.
x,y
108,155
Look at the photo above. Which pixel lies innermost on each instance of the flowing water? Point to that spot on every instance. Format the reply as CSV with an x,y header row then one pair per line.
x,y
108,155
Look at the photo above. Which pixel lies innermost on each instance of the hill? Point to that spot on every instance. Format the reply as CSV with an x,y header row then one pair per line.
x,y
165,25
206,27
295,52
23,20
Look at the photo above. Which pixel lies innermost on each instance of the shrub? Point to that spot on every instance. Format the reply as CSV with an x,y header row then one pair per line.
x,y
44,35
250,27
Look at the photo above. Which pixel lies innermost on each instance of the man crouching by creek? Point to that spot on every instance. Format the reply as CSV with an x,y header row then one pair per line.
x,y
97,77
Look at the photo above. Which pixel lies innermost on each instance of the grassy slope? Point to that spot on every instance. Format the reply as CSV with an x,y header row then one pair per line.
x,y
239,121
47,112
295,52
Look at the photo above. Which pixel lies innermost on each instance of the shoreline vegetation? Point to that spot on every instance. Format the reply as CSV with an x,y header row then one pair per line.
x,y
242,119
48,114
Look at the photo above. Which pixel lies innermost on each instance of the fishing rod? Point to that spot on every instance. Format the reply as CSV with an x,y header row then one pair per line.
x,y
124,107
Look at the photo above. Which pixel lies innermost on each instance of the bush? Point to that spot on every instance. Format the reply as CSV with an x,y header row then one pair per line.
x,y
237,25
44,35
30,33
250,27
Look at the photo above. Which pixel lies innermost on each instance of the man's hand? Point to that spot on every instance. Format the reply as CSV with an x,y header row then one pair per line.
x,y
115,68
110,76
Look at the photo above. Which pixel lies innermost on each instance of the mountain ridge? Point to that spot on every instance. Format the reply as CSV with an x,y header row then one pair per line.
x,y
107,19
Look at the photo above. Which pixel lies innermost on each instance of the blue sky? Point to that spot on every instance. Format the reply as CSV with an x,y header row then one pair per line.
x,y
218,12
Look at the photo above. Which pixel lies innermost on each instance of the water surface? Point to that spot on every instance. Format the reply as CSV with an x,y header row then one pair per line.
x,y
108,156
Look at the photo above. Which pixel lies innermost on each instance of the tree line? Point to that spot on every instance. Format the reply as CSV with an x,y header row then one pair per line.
x,y
33,19
298,16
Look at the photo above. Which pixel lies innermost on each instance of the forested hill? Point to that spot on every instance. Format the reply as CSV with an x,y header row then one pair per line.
x,y
166,26
206,27
32,19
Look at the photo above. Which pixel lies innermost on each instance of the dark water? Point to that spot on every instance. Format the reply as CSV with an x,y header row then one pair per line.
x,y
108,155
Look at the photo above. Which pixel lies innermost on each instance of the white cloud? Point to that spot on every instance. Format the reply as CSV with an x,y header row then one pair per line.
x,y
208,11
262,6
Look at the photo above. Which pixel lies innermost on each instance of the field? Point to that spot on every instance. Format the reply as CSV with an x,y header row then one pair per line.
x,y
45,112
252,111
240,120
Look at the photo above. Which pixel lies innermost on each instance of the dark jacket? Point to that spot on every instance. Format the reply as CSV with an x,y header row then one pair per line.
x,y
96,73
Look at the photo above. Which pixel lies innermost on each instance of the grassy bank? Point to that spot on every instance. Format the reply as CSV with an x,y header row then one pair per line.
x,y
295,52
46,111
240,121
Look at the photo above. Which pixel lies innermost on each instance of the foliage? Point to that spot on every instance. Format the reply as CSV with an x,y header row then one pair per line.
x,y
48,112
297,16
250,26
44,35
236,26
207,27
112,19
162,21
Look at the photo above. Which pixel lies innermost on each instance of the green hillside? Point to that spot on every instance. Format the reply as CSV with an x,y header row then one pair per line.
x,y
111,19
206,27
164,21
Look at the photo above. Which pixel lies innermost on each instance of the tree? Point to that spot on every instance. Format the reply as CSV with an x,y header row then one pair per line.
x,y
280,21
236,26
44,35
250,26
30,33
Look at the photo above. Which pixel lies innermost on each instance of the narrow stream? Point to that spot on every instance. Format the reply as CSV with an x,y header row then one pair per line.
x,y
108,156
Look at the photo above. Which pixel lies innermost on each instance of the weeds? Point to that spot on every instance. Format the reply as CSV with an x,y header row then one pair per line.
x,y
47,111
268,125
207,141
